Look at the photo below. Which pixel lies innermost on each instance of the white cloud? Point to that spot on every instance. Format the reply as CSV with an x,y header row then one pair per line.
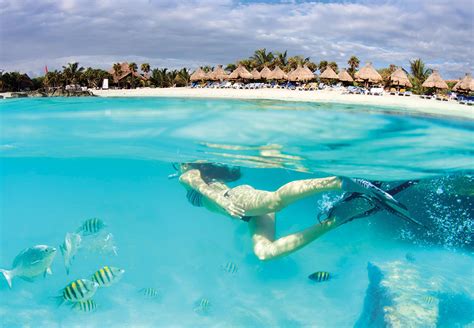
x,y
191,32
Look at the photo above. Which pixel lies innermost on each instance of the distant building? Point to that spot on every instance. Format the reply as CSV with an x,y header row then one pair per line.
x,y
125,72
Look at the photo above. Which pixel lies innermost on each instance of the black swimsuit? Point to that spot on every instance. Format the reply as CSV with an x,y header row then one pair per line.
x,y
195,198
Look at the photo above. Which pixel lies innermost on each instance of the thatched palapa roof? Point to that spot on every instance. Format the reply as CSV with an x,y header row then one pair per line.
x,y
125,71
218,74
435,81
278,74
399,77
265,73
344,76
240,73
368,73
198,75
329,74
256,74
301,74
466,84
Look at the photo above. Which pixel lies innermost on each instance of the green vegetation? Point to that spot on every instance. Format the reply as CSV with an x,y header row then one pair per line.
x,y
127,75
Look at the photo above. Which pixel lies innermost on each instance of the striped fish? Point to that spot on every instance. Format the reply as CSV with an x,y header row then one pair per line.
x,y
202,306
149,292
429,299
107,276
85,306
91,226
320,276
230,267
78,291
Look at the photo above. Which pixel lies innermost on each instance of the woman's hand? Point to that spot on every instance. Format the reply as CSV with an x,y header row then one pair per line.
x,y
234,210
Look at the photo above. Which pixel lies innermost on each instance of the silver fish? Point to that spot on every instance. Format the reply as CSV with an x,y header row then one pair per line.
x,y
31,263
102,243
69,248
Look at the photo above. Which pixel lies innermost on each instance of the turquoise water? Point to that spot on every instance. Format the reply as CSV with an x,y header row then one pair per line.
x,y
67,160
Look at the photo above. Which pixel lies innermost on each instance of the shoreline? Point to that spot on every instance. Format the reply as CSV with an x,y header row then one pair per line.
x,y
400,104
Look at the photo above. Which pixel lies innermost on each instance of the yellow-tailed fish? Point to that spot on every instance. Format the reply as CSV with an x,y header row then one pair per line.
x,y
91,226
149,292
85,306
78,291
230,267
429,299
107,276
202,306
320,276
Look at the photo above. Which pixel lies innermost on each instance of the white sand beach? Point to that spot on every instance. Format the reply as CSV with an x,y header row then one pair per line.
x,y
410,104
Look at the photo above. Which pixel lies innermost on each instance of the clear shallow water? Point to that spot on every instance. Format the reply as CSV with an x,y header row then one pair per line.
x,y
67,160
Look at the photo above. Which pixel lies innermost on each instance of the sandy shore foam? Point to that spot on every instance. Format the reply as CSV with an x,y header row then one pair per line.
x,y
405,104
412,104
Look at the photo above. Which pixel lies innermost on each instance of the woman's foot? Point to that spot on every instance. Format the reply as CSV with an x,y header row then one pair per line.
x,y
378,196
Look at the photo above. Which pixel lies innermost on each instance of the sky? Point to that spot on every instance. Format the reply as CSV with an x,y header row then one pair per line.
x,y
192,33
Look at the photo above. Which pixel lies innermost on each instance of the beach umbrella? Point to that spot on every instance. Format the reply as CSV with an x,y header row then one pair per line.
x,y
329,74
400,78
368,74
435,81
309,72
218,74
240,73
344,76
256,74
278,74
301,74
466,84
198,75
265,73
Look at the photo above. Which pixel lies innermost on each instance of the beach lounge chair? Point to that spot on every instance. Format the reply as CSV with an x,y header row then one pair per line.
x,y
394,92
376,91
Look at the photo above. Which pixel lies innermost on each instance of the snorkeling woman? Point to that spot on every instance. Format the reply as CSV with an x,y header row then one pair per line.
x,y
205,185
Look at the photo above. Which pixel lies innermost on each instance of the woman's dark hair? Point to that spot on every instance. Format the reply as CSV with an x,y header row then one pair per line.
x,y
217,172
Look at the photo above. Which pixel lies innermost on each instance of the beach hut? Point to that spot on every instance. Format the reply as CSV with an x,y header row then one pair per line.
x,y
368,74
240,73
218,74
435,81
199,75
278,74
465,85
265,73
300,74
400,78
256,74
329,74
345,77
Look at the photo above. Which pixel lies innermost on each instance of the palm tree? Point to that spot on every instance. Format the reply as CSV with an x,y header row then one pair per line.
x,y
280,59
419,73
182,78
322,65
117,72
207,68
230,67
53,79
295,61
72,72
261,58
334,67
145,67
353,63
133,69
247,63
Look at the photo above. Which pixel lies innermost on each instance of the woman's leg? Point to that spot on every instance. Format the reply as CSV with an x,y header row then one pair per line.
x,y
259,202
265,247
